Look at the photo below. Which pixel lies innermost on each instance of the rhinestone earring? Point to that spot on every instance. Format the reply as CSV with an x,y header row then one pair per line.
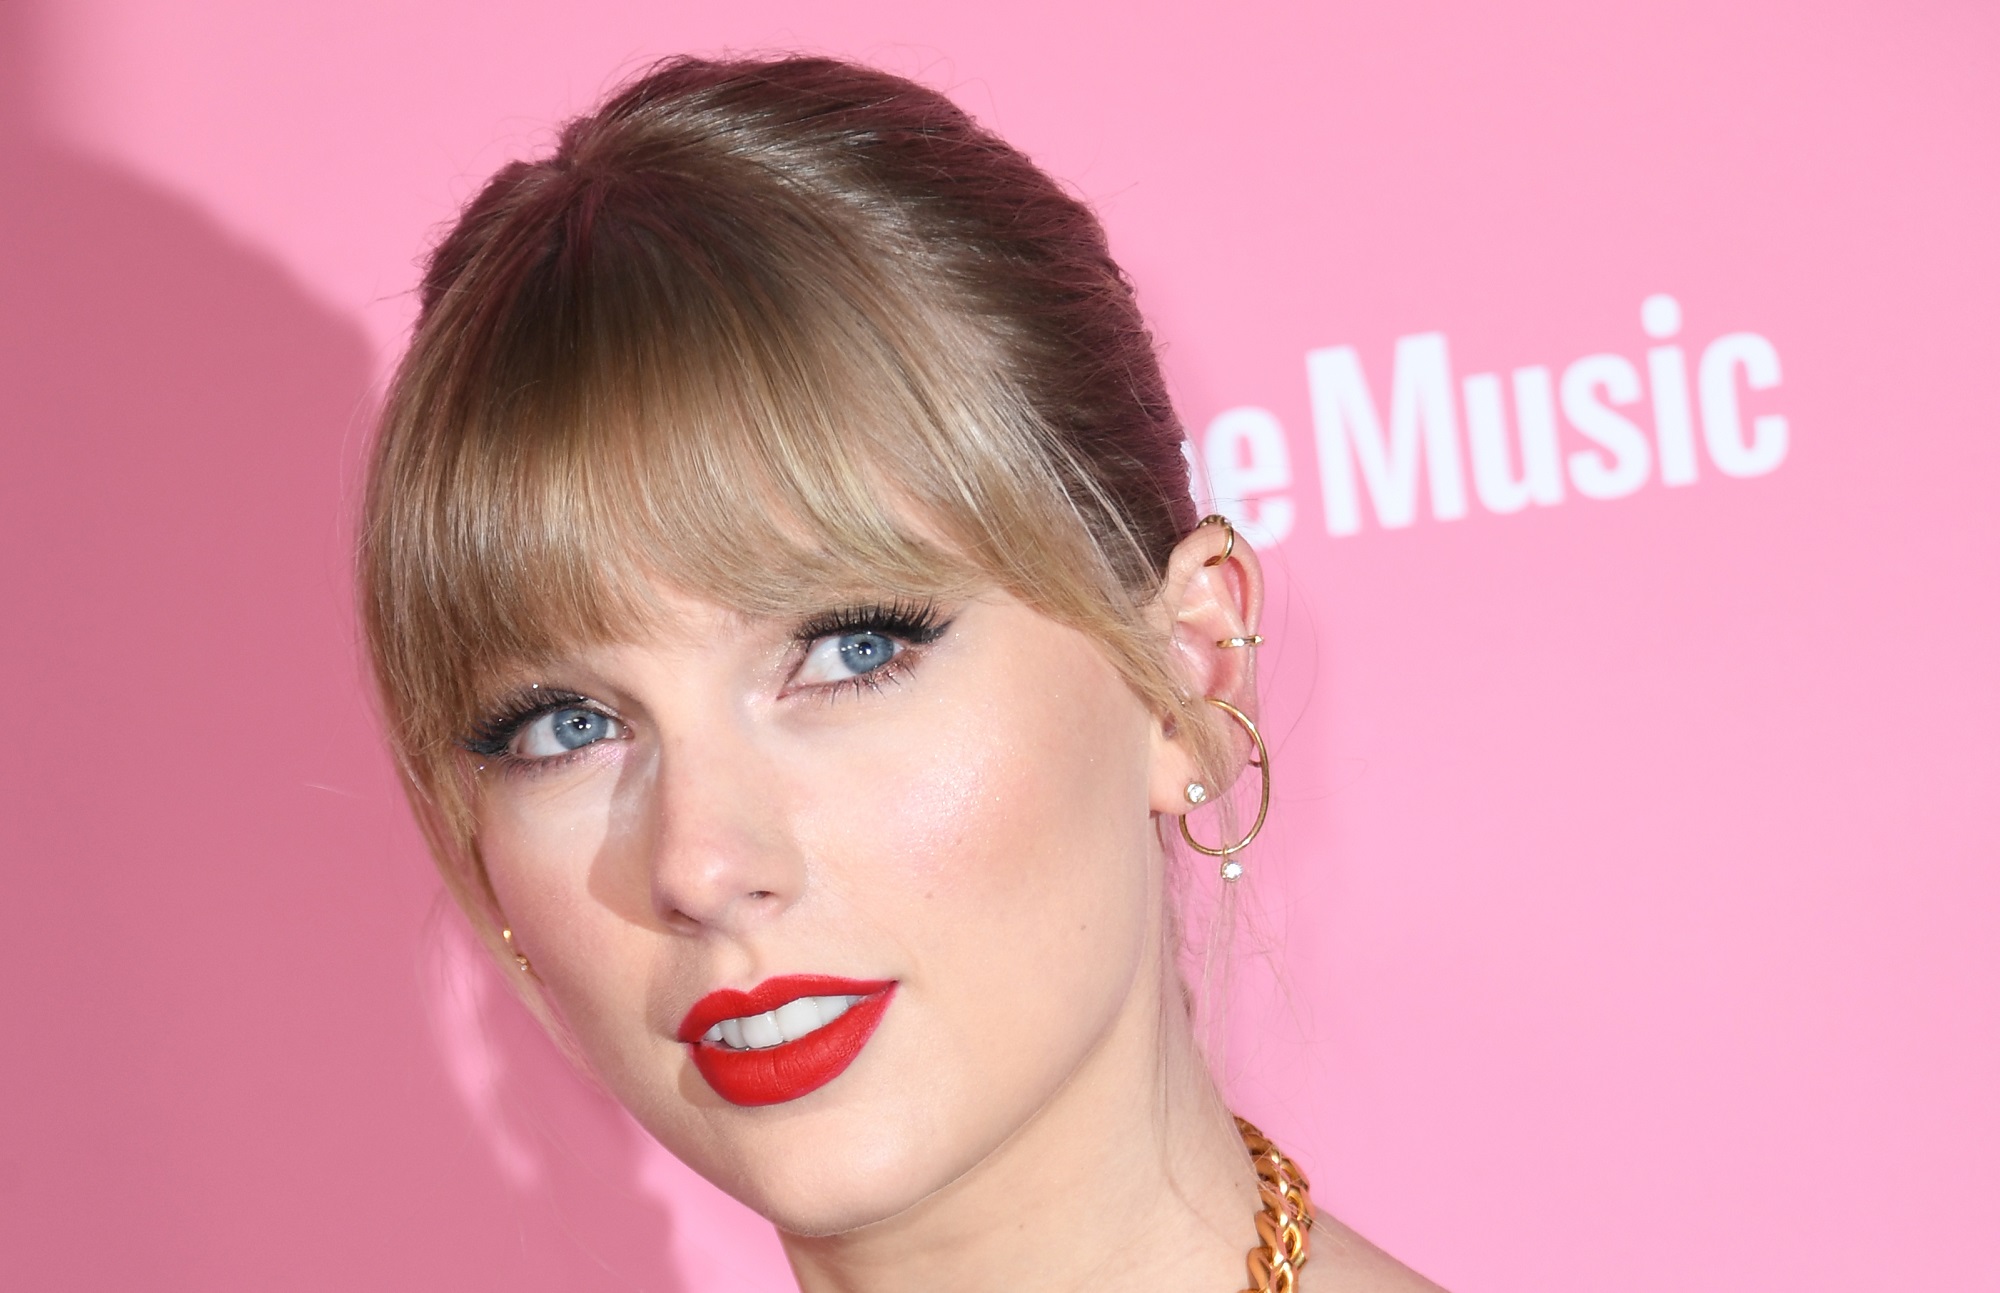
x,y
1231,868
1197,793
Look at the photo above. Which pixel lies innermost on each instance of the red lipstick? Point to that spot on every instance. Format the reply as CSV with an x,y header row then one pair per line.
x,y
775,1074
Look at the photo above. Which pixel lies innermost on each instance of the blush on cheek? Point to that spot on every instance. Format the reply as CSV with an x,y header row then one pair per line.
x,y
990,799
909,806
936,817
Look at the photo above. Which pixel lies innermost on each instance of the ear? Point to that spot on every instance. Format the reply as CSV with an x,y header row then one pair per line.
x,y
1213,593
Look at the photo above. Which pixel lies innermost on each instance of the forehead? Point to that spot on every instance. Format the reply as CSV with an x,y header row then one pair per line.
x,y
551,503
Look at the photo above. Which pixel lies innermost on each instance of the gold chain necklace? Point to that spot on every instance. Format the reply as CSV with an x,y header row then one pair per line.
x,y
1284,1216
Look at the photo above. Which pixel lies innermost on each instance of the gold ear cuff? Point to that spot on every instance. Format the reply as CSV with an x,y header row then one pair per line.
x,y
1228,551
1228,537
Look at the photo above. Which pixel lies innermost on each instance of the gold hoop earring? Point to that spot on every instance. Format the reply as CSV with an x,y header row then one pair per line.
x,y
507,937
1254,639
1228,537
1231,868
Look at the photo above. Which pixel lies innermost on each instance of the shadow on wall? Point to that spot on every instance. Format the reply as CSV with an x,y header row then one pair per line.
x,y
219,1073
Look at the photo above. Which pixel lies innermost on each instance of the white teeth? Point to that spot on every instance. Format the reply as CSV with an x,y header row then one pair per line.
x,y
787,1023
797,1018
760,1031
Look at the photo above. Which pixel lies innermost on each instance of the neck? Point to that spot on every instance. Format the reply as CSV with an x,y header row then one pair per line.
x,y
1132,1177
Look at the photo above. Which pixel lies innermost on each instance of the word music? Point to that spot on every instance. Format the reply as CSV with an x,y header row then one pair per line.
x,y
1248,463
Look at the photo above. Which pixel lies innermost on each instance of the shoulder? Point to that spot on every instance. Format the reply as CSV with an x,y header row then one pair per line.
x,y
1343,1262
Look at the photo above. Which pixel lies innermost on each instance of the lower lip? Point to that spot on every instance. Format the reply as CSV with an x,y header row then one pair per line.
x,y
799,1067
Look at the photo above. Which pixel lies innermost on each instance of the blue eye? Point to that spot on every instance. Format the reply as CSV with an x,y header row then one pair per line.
x,y
843,657
562,730
862,652
867,645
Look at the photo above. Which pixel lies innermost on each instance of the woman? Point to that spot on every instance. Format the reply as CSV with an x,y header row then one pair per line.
x,y
782,581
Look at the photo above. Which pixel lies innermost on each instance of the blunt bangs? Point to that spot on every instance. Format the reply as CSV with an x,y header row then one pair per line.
x,y
638,412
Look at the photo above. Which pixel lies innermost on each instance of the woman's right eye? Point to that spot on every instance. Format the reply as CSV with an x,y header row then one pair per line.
x,y
563,731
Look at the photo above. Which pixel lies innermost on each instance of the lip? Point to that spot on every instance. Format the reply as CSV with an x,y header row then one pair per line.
x,y
798,1067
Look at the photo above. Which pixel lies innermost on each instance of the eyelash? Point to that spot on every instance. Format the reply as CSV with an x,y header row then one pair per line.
x,y
915,624
493,734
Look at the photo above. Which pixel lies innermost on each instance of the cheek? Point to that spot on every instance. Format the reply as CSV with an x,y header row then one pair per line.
x,y
970,804
541,840
538,832
1002,844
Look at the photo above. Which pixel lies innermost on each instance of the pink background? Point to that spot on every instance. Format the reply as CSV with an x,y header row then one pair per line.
x,y
1632,890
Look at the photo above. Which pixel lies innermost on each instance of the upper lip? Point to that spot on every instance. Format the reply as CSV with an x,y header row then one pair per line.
x,y
734,1003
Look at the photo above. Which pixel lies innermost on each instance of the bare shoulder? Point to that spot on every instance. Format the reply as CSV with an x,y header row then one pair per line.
x,y
1343,1262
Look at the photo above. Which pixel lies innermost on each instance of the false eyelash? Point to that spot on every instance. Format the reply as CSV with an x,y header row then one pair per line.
x,y
917,623
491,735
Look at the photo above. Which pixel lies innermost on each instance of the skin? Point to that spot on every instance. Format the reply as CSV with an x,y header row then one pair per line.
x,y
984,828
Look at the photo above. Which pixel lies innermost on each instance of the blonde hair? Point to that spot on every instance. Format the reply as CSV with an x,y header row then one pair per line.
x,y
769,332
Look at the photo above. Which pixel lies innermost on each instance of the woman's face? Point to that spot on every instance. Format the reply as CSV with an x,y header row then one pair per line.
x,y
943,815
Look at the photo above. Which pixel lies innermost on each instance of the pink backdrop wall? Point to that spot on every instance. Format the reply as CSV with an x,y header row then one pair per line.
x,y
1633,884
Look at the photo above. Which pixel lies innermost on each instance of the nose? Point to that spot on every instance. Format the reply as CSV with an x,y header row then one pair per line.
x,y
724,855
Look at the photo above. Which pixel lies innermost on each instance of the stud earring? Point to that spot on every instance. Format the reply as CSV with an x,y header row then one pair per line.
x,y
507,937
1231,868
1197,793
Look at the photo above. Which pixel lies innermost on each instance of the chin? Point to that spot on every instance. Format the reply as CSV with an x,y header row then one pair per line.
x,y
817,1177
825,1213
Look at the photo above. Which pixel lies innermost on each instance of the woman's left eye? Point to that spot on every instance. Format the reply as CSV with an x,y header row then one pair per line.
x,y
845,657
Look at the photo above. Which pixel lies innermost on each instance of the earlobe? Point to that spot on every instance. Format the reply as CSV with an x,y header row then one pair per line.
x,y
520,959
1260,760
